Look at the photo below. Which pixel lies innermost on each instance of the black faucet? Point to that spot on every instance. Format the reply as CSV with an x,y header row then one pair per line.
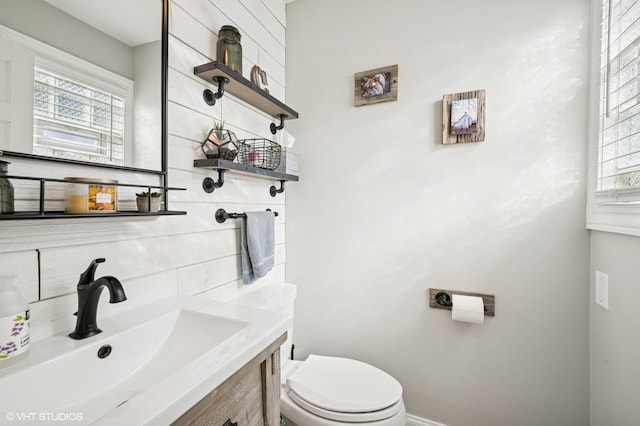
x,y
89,290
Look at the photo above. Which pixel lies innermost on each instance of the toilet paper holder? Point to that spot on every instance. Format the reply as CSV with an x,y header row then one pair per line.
x,y
441,299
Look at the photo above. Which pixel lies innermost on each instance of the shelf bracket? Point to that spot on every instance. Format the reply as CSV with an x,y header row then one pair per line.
x,y
209,185
209,96
273,191
274,128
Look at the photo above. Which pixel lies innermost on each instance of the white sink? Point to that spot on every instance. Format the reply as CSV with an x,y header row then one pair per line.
x,y
161,342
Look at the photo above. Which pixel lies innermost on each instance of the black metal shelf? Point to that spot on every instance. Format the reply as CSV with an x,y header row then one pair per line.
x,y
41,213
63,215
244,89
222,166
243,169
234,83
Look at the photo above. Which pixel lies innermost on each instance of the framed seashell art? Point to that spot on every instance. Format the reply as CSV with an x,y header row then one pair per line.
x,y
375,86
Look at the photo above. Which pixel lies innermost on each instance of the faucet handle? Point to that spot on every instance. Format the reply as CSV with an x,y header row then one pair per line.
x,y
88,276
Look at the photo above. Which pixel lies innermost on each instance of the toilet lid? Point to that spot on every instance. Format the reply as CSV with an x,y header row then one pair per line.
x,y
344,385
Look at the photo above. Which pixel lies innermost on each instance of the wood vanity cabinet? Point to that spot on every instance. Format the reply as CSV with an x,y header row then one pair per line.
x,y
251,397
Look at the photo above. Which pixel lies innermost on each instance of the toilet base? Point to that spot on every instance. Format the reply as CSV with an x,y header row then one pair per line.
x,y
284,421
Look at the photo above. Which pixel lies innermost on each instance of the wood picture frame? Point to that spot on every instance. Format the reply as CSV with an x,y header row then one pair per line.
x,y
463,117
375,86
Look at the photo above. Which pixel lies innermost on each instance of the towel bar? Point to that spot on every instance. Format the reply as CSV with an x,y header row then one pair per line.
x,y
222,215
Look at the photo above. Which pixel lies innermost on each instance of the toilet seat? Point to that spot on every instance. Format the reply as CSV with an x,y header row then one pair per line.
x,y
344,390
371,416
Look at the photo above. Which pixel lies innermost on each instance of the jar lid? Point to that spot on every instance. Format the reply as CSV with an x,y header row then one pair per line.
x,y
231,29
89,180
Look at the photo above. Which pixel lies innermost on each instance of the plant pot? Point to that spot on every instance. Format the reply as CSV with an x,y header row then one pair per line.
x,y
143,204
220,144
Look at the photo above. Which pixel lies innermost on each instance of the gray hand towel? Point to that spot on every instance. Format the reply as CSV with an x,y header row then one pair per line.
x,y
257,244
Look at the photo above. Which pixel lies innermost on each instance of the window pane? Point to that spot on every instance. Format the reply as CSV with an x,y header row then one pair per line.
x,y
76,121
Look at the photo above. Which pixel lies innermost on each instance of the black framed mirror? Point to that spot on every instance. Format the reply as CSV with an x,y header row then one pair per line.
x,y
61,24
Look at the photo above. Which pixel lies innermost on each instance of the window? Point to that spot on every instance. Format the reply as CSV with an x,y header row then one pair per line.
x,y
75,120
614,187
619,147
64,106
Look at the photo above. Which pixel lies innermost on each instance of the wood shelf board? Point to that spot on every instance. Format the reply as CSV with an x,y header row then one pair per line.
x,y
230,166
244,89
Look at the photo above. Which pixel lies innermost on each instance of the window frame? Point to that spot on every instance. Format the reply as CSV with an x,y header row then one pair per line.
x,y
56,60
618,210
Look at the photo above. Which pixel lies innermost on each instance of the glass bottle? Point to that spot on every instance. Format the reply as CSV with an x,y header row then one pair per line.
x,y
229,49
14,322
6,190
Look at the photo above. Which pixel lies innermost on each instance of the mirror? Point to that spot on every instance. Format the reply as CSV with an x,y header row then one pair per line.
x,y
98,93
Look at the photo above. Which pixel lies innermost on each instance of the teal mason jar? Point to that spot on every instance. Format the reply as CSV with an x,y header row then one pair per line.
x,y
229,49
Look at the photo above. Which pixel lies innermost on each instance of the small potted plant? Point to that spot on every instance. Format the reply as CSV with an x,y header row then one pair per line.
x,y
220,143
218,131
144,198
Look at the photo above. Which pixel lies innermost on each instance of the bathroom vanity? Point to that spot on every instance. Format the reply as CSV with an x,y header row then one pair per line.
x,y
250,397
181,360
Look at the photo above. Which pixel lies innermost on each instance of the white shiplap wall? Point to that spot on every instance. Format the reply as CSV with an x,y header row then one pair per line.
x,y
158,257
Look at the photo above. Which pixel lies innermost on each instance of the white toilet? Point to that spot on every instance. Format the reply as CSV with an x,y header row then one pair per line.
x,y
325,390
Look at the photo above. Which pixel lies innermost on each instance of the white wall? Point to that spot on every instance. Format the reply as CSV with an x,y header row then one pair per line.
x,y
147,129
383,211
615,342
156,257
50,25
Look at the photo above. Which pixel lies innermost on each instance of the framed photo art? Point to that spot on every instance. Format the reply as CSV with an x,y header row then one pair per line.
x,y
463,117
375,86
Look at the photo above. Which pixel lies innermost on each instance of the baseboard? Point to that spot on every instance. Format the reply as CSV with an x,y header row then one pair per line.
x,y
419,421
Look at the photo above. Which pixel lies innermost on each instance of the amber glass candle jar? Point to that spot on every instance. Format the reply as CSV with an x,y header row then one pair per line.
x,y
88,195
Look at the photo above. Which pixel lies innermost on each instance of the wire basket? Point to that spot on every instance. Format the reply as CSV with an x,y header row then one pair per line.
x,y
260,152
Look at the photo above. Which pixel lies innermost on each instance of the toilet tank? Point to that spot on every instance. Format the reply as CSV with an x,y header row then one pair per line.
x,y
275,297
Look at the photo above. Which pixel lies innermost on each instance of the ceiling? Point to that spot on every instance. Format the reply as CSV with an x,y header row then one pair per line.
x,y
132,22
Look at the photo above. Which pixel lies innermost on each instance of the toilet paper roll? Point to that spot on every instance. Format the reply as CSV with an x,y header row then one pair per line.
x,y
467,309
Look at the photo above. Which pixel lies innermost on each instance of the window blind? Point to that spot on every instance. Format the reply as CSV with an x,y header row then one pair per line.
x,y
77,121
619,111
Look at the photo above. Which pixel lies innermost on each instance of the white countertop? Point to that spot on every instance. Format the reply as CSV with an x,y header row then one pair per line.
x,y
163,400
168,399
